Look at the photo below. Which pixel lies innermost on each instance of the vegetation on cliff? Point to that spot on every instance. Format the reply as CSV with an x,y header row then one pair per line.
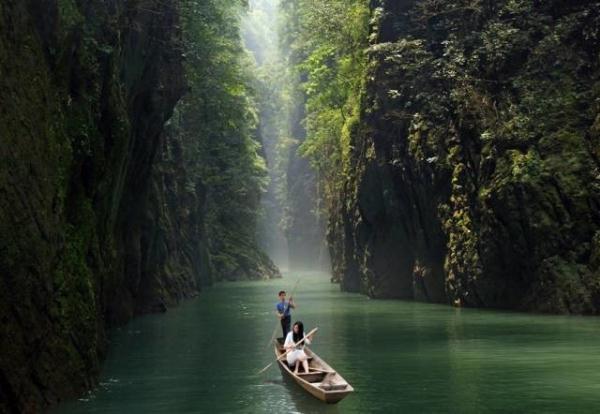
x,y
325,43
453,147
269,84
105,212
459,152
217,122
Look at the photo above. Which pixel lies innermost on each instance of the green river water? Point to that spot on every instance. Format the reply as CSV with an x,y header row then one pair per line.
x,y
401,357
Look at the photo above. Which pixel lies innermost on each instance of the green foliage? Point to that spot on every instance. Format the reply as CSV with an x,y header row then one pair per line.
x,y
509,119
217,121
271,85
326,42
482,119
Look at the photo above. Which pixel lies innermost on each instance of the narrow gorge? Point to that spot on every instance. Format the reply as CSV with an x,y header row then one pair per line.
x,y
437,151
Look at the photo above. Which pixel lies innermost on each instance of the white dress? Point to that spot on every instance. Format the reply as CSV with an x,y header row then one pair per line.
x,y
293,356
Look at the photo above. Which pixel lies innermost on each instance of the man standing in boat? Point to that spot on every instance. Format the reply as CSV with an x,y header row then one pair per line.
x,y
283,312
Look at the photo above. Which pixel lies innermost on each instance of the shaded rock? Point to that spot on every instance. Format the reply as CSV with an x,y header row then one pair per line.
x,y
476,160
84,236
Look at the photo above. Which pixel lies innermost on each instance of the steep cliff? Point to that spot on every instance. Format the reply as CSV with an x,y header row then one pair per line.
x,y
475,163
103,213
83,107
217,124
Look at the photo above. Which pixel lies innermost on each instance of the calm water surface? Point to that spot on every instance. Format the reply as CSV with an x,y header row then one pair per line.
x,y
401,357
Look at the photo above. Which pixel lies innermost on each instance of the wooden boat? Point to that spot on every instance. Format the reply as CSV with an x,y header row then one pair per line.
x,y
321,381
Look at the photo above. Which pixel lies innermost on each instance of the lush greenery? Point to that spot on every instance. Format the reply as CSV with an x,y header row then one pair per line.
x,y
325,43
270,85
455,145
106,213
218,123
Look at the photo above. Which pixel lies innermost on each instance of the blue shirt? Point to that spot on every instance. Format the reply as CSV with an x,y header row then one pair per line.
x,y
281,306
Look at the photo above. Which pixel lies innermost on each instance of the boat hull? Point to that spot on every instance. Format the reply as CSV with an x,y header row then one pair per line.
x,y
323,383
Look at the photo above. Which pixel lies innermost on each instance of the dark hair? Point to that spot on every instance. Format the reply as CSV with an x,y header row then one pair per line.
x,y
300,335
281,292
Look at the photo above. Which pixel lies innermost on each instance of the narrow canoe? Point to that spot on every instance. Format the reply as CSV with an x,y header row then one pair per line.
x,y
321,381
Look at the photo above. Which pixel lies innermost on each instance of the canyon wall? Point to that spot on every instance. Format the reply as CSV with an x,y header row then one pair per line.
x,y
475,161
101,215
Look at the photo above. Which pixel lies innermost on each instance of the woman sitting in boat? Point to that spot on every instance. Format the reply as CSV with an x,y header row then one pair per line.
x,y
296,354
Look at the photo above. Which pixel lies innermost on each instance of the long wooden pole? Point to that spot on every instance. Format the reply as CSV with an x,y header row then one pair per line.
x,y
288,351
285,310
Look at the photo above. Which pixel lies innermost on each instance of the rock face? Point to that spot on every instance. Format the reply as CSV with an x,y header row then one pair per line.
x,y
82,122
477,157
95,225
